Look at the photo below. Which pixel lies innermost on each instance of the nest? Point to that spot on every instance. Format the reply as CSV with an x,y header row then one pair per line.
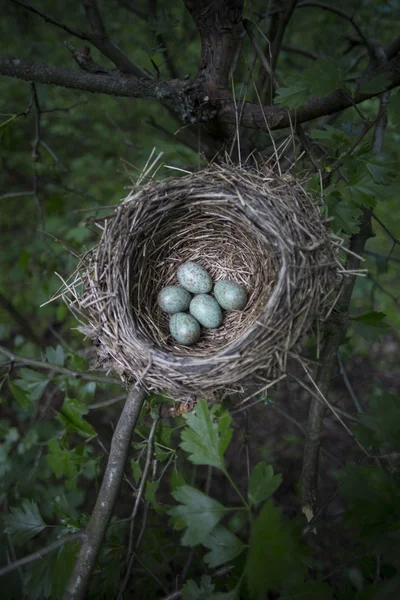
x,y
254,228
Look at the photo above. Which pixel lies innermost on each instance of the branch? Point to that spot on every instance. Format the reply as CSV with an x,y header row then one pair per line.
x,y
341,13
140,492
107,47
99,38
283,23
255,116
38,364
40,553
216,21
196,101
78,584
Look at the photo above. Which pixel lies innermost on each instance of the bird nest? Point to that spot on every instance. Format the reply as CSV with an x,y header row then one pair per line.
x,y
254,228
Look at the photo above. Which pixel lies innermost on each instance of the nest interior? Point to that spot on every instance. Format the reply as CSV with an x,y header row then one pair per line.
x,y
253,228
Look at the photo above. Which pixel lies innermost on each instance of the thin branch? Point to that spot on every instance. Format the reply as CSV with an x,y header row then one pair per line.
x,y
105,45
140,492
348,384
49,19
78,584
18,360
261,56
40,553
343,15
283,23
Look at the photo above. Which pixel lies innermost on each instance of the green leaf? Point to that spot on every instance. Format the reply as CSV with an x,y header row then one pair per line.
x,y
136,471
382,421
32,382
20,396
224,546
56,355
150,496
62,569
346,214
71,417
310,590
38,577
205,439
24,523
177,479
67,462
293,95
273,559
263,483
198,512
323,77
370,325
191,591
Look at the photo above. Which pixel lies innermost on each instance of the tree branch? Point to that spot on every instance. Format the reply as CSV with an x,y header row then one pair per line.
x,y
255,116
40,553
78,584
98,38
107,47
38,364
196,101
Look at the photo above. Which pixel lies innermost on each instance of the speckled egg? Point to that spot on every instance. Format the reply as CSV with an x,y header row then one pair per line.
x,y
194,278
206,310
173,299
230,295
184,329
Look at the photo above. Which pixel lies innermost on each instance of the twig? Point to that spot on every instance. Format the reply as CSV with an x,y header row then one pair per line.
x,y
348,384
283,23
21,360
40,553
341,13
263,59
140,492
96,529
106,402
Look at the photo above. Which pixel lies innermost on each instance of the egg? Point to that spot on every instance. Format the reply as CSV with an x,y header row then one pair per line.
x,y
206,310
230,295
184,329
173,299
194,278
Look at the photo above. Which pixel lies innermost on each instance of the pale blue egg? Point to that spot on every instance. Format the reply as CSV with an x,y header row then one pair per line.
x,y
173,299
206,310
194,278
230,295
184,329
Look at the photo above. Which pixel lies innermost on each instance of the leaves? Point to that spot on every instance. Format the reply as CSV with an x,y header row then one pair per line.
x,y
55,356
370,325
293,94
20,396
32,382
205,440
382,422
191,591
24,523
263,483
224,546
198,512
71,417
273,558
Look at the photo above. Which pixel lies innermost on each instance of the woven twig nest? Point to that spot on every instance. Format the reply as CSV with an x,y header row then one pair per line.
x,y
253,228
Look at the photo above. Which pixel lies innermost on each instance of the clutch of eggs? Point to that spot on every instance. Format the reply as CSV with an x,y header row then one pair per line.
x,y
204,309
